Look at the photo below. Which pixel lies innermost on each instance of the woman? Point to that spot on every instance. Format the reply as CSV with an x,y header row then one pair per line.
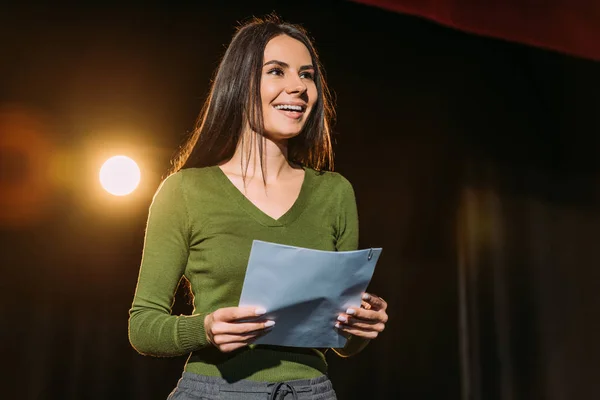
x,y
255,168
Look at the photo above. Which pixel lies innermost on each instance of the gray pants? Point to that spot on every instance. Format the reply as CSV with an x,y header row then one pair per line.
x,y
199,387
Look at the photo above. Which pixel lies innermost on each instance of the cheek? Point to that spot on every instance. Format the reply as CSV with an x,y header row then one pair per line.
x,y
268,92
312,95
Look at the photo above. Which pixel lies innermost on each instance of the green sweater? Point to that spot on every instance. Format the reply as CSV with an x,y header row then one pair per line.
x,y
201,226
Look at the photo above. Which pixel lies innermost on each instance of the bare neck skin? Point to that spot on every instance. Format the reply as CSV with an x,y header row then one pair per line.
x,y
246,159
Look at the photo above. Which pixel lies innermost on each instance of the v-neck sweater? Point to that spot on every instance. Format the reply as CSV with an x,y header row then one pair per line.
x,y
201,227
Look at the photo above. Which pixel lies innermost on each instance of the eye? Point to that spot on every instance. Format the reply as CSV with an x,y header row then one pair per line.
x,y
275,71
307,75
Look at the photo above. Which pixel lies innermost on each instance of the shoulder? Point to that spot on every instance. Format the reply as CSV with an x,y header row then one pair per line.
x,y
185,179
330,179
333,185
190,176
180,184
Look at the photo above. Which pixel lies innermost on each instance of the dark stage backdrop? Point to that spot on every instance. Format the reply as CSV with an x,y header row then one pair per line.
x,y
475,163
568,26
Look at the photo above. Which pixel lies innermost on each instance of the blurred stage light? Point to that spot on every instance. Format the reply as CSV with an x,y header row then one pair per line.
x,y
25,152
120,175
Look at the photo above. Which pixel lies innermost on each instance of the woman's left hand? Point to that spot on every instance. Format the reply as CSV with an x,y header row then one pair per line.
x,y
368,321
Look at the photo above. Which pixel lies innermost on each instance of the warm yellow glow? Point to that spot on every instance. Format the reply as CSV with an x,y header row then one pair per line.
x,y
120,175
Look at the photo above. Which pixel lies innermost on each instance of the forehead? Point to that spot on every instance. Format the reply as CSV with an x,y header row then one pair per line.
x,y
286,49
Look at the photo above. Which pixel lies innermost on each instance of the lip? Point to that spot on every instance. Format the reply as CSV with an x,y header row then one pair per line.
x,y
295,115
291,103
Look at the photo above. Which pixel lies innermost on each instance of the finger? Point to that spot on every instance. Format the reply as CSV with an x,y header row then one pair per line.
x,y
229,347
376,302
366,325
229,314
364,315
364,333
223,339
220,328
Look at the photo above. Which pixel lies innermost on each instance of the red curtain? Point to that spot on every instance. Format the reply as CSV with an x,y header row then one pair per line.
x,y
569,26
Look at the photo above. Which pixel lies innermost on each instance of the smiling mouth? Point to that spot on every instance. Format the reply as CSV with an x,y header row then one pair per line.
x,y
290,110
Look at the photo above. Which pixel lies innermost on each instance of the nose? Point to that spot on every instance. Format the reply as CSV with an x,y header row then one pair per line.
x,y
296,85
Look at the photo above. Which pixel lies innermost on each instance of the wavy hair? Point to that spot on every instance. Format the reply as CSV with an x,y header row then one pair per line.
x,y
234,102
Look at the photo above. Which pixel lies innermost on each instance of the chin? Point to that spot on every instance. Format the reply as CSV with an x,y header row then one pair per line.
x,y
278,135
282,131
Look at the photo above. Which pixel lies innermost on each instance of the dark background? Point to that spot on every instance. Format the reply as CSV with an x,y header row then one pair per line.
x,y
474,160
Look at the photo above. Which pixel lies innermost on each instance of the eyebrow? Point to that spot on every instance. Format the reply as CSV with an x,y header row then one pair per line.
x,y
286,65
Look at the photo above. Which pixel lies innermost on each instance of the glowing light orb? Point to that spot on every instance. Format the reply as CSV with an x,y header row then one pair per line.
x,y
120,175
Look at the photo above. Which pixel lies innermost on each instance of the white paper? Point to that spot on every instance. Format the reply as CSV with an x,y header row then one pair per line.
x,y
304,291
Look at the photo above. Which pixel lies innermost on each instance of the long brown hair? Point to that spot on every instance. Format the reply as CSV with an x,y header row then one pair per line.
x,y
234,100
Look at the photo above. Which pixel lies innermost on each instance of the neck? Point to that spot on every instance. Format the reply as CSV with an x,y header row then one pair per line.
x,y
246,160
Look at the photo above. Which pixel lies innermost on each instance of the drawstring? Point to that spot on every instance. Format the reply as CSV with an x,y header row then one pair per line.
x,y
281,385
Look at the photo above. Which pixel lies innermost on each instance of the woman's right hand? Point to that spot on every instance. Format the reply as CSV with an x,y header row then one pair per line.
x,y
226,330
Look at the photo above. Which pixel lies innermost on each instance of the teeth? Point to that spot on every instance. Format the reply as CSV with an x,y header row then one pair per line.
x,y
288,107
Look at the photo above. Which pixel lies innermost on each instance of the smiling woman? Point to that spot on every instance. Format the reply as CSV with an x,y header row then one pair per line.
x,y
287,89
258,167
254,65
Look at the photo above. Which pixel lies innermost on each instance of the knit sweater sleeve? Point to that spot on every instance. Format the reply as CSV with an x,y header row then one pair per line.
x,y
347,229
152,328
347,240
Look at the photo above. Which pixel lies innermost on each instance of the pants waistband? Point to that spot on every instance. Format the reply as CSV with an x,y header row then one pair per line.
x,y
193,381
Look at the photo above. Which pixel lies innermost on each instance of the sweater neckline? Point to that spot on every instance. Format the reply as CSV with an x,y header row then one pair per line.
x,y
259,215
